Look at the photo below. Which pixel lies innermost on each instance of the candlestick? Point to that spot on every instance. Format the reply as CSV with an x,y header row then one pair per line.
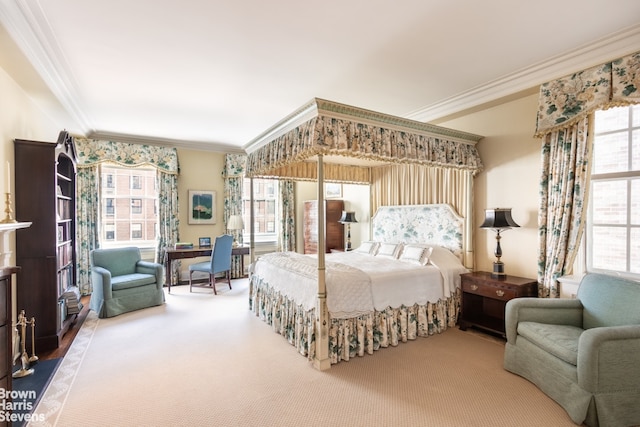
x,y
8,177
8,219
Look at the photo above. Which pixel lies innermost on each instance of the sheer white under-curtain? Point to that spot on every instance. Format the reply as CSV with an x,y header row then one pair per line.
x,y
91,153
565,122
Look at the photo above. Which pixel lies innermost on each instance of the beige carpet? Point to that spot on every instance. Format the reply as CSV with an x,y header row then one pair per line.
x,y
205,360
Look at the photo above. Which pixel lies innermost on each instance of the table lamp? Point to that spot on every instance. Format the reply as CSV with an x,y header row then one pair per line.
x,y
348,218
498,220
236,224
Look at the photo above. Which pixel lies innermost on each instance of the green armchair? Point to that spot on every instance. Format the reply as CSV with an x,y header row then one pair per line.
x,y
584,353
122,282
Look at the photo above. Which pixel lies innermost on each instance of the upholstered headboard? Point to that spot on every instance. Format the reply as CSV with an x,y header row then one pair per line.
x,y
436,224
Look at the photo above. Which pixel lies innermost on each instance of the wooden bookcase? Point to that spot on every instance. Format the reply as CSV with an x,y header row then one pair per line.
x,y
334,231
45,195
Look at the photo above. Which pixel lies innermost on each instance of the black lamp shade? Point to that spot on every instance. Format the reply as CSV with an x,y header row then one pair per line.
x,y
498,219
347,217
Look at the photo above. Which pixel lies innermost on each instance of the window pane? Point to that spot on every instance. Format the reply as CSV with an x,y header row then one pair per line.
x,y
634,256
635,111
635,202
635,150
122,204
609,202
612,119
609,248
610,153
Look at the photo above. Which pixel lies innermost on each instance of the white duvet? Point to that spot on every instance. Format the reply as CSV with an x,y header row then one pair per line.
x,y
358,283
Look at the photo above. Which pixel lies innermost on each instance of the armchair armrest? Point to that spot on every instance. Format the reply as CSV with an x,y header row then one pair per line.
x,y
608,359
543,310
156,269
101,282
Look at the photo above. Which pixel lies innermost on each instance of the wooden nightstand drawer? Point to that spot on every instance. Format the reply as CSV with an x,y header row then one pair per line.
x,y
484,298
489,290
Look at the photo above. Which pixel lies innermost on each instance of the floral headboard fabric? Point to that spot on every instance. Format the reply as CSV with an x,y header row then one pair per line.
x,y
436,224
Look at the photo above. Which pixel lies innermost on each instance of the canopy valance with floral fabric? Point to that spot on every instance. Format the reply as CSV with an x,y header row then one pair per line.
x,y
93,151
332,129
565,101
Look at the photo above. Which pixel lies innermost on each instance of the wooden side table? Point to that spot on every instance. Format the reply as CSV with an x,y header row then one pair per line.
x,y
484,299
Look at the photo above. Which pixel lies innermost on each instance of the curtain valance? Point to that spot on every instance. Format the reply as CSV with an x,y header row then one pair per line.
x,y
565,101
234,165
340,130
92,151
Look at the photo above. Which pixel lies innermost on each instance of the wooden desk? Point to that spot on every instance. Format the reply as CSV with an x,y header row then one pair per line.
x,y
172,254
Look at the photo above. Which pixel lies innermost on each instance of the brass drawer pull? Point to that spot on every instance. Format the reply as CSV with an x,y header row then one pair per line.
x,y
500,293
474,287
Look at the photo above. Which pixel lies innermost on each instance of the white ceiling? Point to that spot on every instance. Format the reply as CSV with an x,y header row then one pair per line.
x,y
214,74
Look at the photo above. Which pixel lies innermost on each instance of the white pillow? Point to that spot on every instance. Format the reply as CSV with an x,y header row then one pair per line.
x,y
389,250
367,248
416,254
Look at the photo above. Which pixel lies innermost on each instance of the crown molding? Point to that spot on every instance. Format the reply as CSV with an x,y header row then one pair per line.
x,y
165,142
614,46
28,27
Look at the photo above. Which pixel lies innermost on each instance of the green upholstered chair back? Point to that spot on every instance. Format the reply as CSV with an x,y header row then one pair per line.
x,y
609,301
118,261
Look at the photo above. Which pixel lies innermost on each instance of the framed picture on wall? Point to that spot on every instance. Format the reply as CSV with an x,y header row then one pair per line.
x,y
332,190
202,207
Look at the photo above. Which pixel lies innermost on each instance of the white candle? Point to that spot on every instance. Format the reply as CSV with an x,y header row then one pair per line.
x,y
8,177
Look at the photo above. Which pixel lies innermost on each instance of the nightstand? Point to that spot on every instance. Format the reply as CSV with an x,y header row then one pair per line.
x,y
484,299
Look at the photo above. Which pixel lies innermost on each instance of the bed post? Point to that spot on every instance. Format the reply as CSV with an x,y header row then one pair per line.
x,y
321,360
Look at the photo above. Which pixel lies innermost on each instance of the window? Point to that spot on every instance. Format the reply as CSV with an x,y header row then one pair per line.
x,y
136,206
109,231
266,212
129,200
136,182
136,231
109,207
613,224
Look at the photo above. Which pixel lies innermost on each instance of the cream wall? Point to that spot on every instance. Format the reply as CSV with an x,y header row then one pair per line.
x,y
356,199
511,158
199,170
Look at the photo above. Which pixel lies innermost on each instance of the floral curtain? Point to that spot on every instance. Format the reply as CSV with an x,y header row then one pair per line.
x,y
563,124
233,174
168,220
563,201
87,212
287,238
91,153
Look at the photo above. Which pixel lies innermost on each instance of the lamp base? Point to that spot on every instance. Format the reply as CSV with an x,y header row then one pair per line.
x,y
498,270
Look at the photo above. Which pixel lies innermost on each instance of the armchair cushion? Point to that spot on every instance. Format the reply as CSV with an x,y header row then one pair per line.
x,y
134,280
559,340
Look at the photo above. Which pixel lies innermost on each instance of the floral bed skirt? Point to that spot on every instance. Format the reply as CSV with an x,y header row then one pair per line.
x,y
355,336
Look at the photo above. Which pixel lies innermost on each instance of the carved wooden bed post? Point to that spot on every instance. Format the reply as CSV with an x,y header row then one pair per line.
x,y
321,360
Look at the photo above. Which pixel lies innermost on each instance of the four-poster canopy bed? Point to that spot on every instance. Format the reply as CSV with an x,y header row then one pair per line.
x,y
362,300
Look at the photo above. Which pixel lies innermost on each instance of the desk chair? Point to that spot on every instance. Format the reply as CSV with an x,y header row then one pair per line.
x,y
220,262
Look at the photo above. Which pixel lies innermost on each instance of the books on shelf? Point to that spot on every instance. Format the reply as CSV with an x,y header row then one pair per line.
x,y
184,245
72,302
